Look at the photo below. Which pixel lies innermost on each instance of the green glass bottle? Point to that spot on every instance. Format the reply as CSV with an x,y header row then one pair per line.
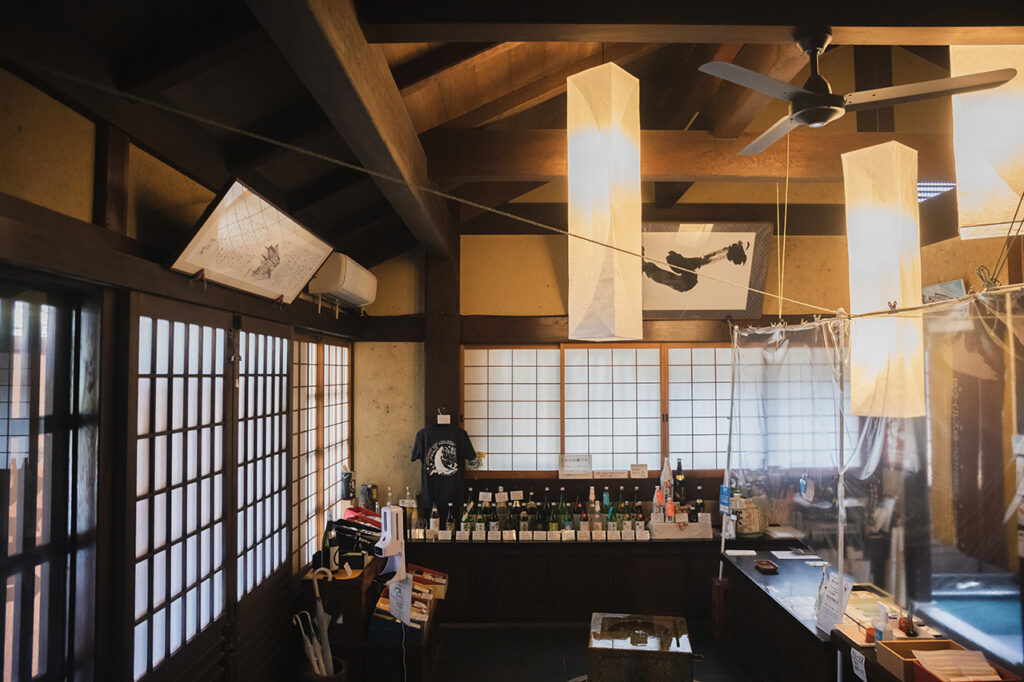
x,y
557,520
531,513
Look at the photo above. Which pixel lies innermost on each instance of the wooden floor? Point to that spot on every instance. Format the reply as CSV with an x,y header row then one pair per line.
x,y
551,653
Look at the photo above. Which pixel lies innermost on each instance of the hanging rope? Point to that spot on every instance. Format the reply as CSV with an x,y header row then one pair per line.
x,y
389,178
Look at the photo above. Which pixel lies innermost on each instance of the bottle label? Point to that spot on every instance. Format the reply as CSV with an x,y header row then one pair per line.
x,y
583,536
479,535
462,536
494,536
516,495
434,522
568,536
628,536
508,536
554,536
525,535
493,526
614,536
444,536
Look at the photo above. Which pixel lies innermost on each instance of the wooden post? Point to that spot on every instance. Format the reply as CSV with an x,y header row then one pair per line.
x,y
441,347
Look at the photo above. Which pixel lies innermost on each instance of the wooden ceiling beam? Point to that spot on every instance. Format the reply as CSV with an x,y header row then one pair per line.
x,y
670,155
415,72
547,87
668,194
351,81
299,123
489,194
733,107
322,187
912,22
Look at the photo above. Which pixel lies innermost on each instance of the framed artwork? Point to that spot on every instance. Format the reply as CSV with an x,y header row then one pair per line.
x,y
702,270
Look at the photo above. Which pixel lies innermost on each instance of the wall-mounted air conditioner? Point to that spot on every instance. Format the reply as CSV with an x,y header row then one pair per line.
x,y
346,280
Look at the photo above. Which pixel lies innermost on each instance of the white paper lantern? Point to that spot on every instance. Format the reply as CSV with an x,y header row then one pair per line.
x,y
883,238
603,125
988,141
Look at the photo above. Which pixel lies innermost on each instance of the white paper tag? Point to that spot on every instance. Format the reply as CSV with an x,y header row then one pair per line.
x,y
508,536
418,534
479,535
614,536
516,495
583,536
568,536
554,536
432,535
401,599
643,535
598,535
444,419
616,473
638,471
540,536
658,517
501,497
857,659
444,536
485,496
494,536
833,604
628,536
462,536
526,536
348,569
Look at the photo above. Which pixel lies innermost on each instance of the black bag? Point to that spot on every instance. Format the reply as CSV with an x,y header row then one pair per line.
x,y
349,536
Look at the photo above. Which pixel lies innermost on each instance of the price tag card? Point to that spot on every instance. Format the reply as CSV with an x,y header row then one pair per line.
x,y
540,536
444,536
501,497
485,496
462,536
598,535
516,495
614,536
479,536
658,517
418,534
431,535
583,536
628,536
643,535
526,536
857,660
494,536
638,471
568,536
508,536
554,536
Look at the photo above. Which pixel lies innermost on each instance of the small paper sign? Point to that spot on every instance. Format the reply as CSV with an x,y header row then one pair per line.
x,y
431,535
479,535
554,536
658,517
643,535
833,604
462,536
501,497
418,534
724,495
485,496
638,471
508,536
628,536
598,535
616,473
614,536
347,569
857,659
583,536
516,495
401,599
494,536
526,536
568,536
540,536
444,536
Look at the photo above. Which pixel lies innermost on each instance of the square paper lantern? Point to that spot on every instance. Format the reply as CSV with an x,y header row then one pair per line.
x,y
884,242
988,141
603,124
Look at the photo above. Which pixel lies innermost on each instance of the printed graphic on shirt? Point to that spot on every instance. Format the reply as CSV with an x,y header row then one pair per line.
x,y
441,459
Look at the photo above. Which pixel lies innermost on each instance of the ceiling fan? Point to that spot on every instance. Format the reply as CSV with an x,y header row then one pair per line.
x,y
814,104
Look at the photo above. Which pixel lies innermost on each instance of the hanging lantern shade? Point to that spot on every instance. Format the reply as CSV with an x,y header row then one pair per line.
x,y
988,141
883,238
603,125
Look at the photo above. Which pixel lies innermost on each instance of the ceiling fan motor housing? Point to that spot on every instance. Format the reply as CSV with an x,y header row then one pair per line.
x,y
816,110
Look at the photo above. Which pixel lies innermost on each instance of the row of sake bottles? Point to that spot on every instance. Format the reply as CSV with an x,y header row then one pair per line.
x,y
507,512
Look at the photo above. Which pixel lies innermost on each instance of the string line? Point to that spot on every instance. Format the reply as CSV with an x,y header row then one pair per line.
x,y
389,178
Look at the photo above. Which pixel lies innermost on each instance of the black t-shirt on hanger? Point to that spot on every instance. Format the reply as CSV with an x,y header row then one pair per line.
x,y
443,449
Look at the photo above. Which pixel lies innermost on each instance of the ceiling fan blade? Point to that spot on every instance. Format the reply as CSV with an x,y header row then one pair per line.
x,y
883,97
767,85
770,136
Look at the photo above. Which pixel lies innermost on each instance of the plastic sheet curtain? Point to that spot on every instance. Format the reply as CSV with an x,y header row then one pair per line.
x,y
603,107
988,141
931,503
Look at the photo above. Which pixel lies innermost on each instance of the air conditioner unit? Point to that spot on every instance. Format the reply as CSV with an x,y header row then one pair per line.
x,y
346,280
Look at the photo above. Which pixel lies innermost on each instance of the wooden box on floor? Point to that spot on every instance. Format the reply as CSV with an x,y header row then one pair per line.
x,y
628,648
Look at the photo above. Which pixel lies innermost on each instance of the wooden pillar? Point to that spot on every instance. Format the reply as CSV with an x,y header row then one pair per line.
x,y
110,179
872,68
441,340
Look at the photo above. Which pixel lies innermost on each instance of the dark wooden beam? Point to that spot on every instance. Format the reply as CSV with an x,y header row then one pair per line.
x,y
442,327
913,22
670,155
110,179
354,87
319,188
435,61
345,203
393,328
37,238
489,194
668,194
380,241
733,107
299,123
872,68
510,103
683,90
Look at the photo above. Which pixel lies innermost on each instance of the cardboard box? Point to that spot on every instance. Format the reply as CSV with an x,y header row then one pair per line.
x,y
922,675
896,657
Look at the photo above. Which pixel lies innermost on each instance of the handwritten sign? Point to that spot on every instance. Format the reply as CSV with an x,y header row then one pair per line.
x,y
598,535
508,536
638,471
643,535
485,496
516,495
554,536
479,536
614,536
857,659
418,534
833,604
628,536
494,536
568,536
501,497
401,599
583,536
526,536
462,536
444,536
